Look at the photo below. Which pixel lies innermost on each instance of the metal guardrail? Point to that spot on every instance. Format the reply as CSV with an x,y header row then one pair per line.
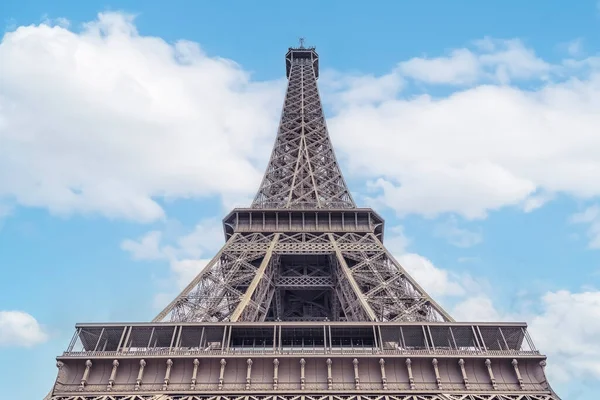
x,y
268,352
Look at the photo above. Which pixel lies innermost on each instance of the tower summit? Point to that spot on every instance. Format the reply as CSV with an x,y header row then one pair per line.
x,y
303,301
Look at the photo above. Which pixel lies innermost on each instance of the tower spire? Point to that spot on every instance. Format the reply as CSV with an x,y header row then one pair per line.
x,y
303,172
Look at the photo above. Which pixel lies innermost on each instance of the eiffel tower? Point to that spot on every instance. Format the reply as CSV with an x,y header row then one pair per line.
x,y
303,302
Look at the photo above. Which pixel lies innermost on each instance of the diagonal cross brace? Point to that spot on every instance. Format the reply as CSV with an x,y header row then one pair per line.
x,y
260,272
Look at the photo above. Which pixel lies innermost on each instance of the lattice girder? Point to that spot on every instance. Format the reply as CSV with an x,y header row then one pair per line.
x,y
303,171
366,281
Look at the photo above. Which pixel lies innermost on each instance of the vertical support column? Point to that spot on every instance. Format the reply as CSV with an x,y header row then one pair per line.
x,y
325,341
200,345
488,364
329,376
411,380
167,374
248,373
113,375
461,363
383,377
437,373
222,373
84,378
302,377
275,373
356,378
195,373
138,381
279,339
515,364
223,340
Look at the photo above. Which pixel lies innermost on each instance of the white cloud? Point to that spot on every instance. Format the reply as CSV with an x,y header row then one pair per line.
x,y
146,248
476,150
60,21
479,308
186,270
185,253
436,282
207,236
20,329
395,240
591,217
115,120
123,120
460,67
536,201
342,90
456,235
493,60
567,330
565,326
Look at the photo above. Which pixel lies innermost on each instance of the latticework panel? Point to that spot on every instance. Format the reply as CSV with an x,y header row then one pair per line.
x,y
388,290
303,171
244,282
223,284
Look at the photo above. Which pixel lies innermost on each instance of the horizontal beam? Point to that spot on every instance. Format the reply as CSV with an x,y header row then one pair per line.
x,y
357,220
300,324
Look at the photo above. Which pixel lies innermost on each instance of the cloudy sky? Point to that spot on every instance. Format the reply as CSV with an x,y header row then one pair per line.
x,y
128,129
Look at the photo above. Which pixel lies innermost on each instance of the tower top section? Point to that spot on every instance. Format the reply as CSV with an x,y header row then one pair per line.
x,y
303,172
301,54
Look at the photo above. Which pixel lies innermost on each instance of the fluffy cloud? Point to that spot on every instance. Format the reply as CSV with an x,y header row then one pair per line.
x,y
108,121
477,308
116,121
437,282
186,253
477,149
17,328
494,60
563,325
567,330
145,248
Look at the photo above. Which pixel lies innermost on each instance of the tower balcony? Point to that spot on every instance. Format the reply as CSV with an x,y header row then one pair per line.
x,y
300,357
355,220
301,54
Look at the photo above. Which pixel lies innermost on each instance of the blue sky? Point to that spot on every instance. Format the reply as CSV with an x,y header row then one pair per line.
x,y
128,129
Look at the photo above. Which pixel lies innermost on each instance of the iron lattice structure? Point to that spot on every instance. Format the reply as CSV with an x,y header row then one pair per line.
x,y
303,302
